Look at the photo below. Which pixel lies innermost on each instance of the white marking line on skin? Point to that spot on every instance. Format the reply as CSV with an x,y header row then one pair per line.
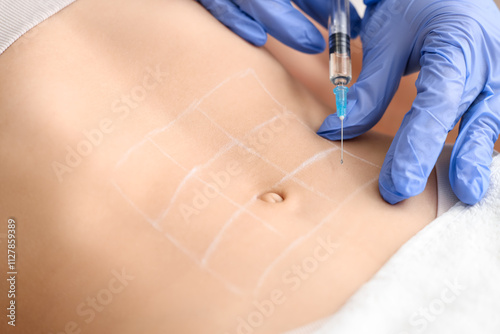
x,y
250,213
283,107
167,155
317,157
231,287
223,150
263,222
146,137
303,238
301,122
329,142
218,237
129,151
258,127
261,84
193,107
176,194
226,148
177,244
126,198
365,161
252,151
222,83
252,72
189,109
335,145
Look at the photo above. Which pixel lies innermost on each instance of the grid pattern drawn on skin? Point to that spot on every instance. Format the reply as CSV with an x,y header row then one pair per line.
x,y
149,142
189,176
226,141
263,158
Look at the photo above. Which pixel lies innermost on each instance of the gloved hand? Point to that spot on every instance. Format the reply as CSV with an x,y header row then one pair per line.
x,y
456,46
252,19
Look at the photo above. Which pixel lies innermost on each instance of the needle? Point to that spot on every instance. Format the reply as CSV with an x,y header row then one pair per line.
x,y
341,101
342,140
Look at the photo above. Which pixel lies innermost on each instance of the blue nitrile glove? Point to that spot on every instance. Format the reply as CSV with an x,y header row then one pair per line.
x,y
252,19
456,46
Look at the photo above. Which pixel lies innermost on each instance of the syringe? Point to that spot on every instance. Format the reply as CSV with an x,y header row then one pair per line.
x,y
339,31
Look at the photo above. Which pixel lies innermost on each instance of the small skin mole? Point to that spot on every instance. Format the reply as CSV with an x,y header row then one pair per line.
x,y
271,197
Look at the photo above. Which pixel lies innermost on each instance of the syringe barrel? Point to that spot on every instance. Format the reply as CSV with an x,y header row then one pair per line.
x,y
339,31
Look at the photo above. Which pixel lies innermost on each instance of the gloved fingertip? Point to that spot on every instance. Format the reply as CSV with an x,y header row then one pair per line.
x,y
409,184
251,31
412,187
394,186
330,128
388,193
471,195
470,184
259,39
472,153
312,43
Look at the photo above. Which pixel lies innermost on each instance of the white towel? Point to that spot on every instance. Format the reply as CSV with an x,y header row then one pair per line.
x,y
446,279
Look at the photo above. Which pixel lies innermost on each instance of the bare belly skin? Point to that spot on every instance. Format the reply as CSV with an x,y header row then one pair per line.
x,y
165,177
